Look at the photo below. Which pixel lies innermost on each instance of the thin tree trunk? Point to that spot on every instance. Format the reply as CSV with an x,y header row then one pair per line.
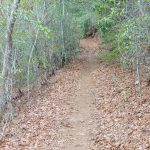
x,y
9,32
7,53
62,30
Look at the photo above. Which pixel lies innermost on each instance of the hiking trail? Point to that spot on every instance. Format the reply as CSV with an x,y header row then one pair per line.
x,y
59,116
87,105
77,130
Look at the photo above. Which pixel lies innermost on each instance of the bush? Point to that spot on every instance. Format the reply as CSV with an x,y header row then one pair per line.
x,y
109,56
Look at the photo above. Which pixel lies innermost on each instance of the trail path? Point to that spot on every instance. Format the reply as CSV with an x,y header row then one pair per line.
x,y
106,114
77,133
59,116
87,105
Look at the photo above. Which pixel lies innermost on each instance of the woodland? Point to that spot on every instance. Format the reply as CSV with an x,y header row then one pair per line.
x,y
75,74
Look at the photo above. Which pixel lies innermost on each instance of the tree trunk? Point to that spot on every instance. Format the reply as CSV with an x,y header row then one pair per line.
x,y
7,54
62,31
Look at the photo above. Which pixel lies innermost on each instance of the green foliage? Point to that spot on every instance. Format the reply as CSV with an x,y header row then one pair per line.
x,y
38,34
124,29
109,57
87,26
44,38
54,37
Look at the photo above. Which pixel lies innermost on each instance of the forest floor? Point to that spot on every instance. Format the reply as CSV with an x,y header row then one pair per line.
x,y
87,105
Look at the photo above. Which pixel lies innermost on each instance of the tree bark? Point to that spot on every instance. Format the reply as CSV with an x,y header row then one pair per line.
x,y
7,53
9,32
62,31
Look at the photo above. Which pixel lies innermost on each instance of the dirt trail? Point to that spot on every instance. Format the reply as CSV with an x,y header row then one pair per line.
x,y
86,106
59,117
77,130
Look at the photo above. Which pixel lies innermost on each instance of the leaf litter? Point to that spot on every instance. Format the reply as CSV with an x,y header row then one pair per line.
x,y
118,120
